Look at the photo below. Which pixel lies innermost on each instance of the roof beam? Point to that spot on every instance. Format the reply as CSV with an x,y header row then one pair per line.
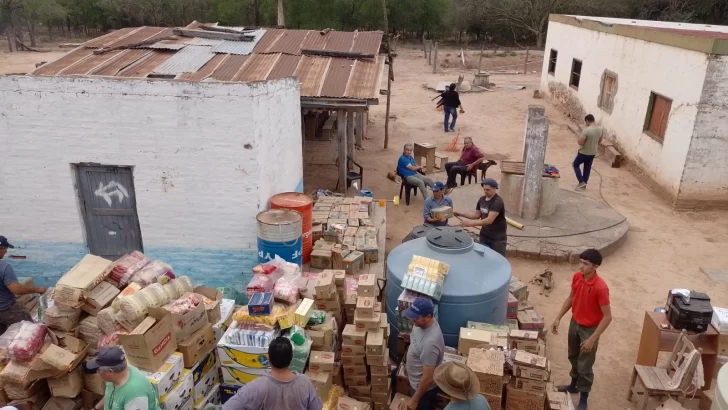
x,y
331,53
214,35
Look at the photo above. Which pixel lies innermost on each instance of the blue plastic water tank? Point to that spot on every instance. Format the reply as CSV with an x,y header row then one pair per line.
x,y
476,287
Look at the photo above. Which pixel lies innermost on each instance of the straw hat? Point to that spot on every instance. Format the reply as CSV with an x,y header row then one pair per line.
x,y
457,380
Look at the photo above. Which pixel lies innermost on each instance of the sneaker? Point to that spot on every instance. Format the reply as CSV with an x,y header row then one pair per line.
x,y
580,187
567,388
446,130
452,129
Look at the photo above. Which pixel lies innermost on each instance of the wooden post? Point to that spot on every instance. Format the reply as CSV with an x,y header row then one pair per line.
x,y
429,52
480,60
350,134
424,45
281,15
390,77
525,63
434,60
359,128
341,131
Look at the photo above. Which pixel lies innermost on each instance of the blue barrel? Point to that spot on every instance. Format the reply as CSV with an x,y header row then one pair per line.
x,y
280,233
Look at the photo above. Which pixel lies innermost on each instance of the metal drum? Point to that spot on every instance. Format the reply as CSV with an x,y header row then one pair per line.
x,y
303,204
279,233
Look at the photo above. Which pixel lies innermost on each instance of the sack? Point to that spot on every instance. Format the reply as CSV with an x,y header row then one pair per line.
x,y
27,342
106,320
151,272
127,266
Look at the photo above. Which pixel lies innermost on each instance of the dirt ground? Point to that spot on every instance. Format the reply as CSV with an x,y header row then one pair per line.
x,y
22,62
664,248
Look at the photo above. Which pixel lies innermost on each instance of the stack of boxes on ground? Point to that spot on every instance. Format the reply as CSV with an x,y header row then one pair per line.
x,y
165,326
509,360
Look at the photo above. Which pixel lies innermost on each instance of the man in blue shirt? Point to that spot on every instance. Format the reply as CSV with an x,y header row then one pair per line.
x,y
437,200
9,287
407,169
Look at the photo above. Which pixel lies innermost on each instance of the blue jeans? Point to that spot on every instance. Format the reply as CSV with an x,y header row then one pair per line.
x,y
427,402
448,112
587,161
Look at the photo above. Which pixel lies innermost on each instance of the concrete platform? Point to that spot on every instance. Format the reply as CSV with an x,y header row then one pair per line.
x,y
578,223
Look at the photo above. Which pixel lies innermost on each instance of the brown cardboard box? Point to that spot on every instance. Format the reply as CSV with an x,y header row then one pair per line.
x,y
513,324
381,406
381,397
148,346
35,402
525,305
381,382
62,318
399,402
367,285
73,288
488,366
186,324
89,398
94,383
375,343
352,350
347,403
382,360
355,370
353,262
403,384
61,403
197,345
525,340
522,400
68,385
452,357
321,361
100,297
321,259
380,370
557,401
470,338
365,391
501,330
212,306
530,320
349,361
66,355
356,380
367,323
337,258
325,287
518,289
330,305
530,366
534,386
354,336
320,380
365,306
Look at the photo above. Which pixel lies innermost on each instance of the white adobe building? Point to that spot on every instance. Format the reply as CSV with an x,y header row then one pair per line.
x,y
659,89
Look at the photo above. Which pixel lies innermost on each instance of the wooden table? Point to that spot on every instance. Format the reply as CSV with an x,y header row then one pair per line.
x,y
426,151
656,338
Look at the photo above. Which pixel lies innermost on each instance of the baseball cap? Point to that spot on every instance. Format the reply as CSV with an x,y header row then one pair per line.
x,y
4,243
490,182
420,307
108,356
438,186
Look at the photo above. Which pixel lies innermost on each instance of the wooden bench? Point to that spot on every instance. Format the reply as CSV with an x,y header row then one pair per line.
x,y
328,127
440,160
612,156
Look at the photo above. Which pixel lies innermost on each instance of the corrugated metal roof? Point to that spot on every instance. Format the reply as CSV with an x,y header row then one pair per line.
x,y
110,38
315,41
198,41
146,65
285,66
339,41
228,68
143,34
165,45
89,63
64,62
188,60
239,47
337,76
364,79
269,39
257,67
311,72
122,61
206,70
289,42
367,42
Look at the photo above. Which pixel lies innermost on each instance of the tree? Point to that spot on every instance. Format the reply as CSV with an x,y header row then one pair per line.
x,y
531,15
37,12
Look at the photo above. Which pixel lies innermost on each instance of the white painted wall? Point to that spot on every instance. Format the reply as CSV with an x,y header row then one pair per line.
x,y
642,67
658,24
197,185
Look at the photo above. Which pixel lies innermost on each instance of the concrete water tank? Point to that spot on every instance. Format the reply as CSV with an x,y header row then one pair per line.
x,y
476,288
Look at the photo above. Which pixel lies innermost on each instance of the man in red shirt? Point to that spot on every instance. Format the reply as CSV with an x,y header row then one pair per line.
x,y
590,316
469,160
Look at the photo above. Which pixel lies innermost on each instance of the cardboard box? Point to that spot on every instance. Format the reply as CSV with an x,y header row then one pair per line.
x,y
512,309
352,361
213,304
151,343
356,380
74,287
367,323
525,340
501,330
205,385
353,262
470,338
367,285
260,304
186,324
525,305
197,346
352,350
522,400
180,393
325,287
347,403
354,336
59,359
365,306
320,380
375,343
68,385
165,377
100,297
382,382
399,402
452,357
518,289
321,361
530,319
329,305
365,391
89,399
62,318
530,366
304,311
556,400
242,356
227,392
94,383
321,259
382,360
355,370
211,399
34,402
513,324
240,376
204,366
380,370
533,386
488,366
60,403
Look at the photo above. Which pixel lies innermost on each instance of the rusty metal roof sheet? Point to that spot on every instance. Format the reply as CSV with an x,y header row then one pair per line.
x,y
228,68
315,41
284,67
257,67
206,70
188,60
339,41
165,45
110,38
269,39
337,76
64,62
311,72
364,79
239,47
146,65
122,61
367,42
141,35
289,42
89,63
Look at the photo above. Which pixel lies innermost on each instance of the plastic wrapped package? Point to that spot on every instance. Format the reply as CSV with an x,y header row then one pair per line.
x,y
332,400
111,339
27,342
351,285
286,290
151,272
241,315
175,288
6,339
301,349
184,304
317,317
137,305
131,289
251,334
106,320
260,284
88,330
127,266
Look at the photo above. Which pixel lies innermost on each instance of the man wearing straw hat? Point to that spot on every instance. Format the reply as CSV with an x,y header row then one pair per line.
x,y
462,385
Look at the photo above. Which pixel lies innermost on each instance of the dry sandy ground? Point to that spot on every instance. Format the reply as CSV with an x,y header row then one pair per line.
x,y
24,61
664,248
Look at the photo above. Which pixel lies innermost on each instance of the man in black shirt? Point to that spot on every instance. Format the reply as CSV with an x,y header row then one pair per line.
x,y
450,104
490,215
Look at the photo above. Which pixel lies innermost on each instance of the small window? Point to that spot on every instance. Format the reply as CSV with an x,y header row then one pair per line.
x,y
608,90
658,112
552,61
575,73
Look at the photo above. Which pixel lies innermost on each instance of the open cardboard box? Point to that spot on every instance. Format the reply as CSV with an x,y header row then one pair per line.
x,y
74,287
212,308
149,344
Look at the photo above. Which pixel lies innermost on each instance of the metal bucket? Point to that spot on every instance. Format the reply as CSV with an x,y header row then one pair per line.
x,y
279,233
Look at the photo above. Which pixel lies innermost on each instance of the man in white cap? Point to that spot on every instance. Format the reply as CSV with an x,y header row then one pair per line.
x,y
462,385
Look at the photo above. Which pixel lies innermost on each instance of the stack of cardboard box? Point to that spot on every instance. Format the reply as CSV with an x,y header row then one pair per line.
x,y
527,388
488,366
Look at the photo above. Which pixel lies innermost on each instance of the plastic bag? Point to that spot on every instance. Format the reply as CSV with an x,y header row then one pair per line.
x,y
27,342
137,305
185,304
127,266
287,288
128,291
241,315
110,340
177,287
151,272
260,284
106,320
6,339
